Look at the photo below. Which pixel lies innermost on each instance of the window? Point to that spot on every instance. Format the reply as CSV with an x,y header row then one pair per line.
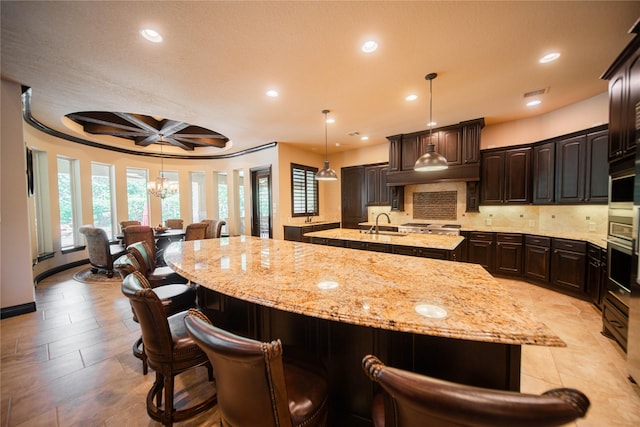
x,y
102,191
44,242
304,190
240,181
137,195
171,204
223,200
70,203
198,198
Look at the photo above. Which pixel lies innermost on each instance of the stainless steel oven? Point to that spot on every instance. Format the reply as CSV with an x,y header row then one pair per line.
x,y
620,257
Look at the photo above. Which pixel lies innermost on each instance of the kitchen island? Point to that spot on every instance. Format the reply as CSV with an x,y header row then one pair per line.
x,y
445,319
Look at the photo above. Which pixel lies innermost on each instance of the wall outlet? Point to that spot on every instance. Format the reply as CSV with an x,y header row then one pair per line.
x,y
592,226
532,223
488,221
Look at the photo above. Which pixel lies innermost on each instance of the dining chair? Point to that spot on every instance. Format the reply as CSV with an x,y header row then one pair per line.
x,y
413,400
214,228
170,351
195,231
101,251
256,386
156,275
175,297
174,223
124,224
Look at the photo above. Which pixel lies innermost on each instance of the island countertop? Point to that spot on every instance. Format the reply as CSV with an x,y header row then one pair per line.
x,y
434,241
371,289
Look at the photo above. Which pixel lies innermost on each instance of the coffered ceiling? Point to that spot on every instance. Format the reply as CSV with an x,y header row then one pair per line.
x,y
219,58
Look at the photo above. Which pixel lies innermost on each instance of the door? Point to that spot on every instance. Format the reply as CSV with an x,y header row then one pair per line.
x,y
261,221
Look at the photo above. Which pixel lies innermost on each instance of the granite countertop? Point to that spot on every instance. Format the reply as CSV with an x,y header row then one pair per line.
x,y
591,237
434,241
371,289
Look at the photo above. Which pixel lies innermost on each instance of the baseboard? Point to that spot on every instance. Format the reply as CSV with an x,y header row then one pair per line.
x,y
58,269
17,310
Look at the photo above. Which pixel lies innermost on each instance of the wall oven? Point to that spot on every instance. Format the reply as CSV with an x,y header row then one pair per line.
x,y
620,260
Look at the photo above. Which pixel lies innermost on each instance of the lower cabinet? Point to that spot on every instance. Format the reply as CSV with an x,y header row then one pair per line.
x,y
568,264
422,252
481,250
296,233
596,273
369,246
509,254
537,258
615,320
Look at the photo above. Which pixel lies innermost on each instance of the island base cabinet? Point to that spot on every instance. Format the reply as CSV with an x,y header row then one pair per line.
x,y
341,347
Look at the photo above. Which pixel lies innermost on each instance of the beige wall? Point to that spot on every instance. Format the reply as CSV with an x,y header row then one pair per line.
x,y
16,282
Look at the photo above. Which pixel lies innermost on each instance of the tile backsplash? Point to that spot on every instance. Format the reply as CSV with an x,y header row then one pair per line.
x,y
524,218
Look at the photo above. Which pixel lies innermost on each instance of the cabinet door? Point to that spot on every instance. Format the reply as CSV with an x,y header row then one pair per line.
x,y
481,250
411,150
354,209
570,170
617,120
372,184
394,153
593,280
517,181
509,254
544,173
471,143
397,198
632,110
568,269
537,262
450,146
492,184
384,192
597,179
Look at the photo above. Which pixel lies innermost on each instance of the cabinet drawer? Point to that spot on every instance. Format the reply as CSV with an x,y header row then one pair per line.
x,y
509,238
475,235
570,245
405,250
593,252
615,323
538,241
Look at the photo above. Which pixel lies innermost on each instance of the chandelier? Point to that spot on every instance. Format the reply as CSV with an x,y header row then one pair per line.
x,y
161,187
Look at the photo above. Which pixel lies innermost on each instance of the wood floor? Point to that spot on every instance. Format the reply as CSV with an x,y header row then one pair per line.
x,y
70,362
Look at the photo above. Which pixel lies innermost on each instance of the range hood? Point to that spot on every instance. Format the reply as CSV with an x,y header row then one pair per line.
x,y
460,144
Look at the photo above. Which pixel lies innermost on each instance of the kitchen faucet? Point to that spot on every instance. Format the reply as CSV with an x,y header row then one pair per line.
x,y
378,216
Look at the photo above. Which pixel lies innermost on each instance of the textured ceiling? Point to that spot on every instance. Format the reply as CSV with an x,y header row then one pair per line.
x,y
219,58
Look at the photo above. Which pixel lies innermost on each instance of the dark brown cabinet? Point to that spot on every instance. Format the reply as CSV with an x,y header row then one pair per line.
x,y
377,192
615,320
422,252
544,160
624,98
481,249
296,233
395,150
571,155
597,173
509,254
354,207
537,258
568,264
596,273
446,142
506,176
397,198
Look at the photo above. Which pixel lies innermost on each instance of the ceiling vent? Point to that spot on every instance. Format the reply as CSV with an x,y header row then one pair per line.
x,y
536,92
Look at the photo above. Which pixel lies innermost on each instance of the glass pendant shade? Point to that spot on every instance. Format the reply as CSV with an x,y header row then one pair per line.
x,y
326,173
430,161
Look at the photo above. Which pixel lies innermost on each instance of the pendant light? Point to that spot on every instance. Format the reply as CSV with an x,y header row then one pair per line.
x,y
326,173
161,187
430,161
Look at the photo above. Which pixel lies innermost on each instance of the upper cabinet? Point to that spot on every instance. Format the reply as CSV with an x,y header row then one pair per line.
x,y
506,176
624,99
460,144
378,194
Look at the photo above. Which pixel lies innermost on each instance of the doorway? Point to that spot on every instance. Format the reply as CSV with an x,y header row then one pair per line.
x,y
261,202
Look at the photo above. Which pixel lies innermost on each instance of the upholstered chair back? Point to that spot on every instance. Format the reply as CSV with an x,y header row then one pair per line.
x,y
195,231
214,228
139,233
175,223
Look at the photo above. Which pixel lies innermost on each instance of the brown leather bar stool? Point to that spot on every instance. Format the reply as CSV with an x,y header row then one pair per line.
x,y
175,298
413,400
169,349
256,387
155,275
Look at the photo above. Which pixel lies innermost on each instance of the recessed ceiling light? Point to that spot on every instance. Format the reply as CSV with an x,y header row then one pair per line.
x,y
369,46
331,120
431,124
337,144
272,93
411,97
151,35
364,138
534,103
549,57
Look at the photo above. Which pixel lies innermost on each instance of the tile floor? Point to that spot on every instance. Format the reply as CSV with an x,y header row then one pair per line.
x,y
70,362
